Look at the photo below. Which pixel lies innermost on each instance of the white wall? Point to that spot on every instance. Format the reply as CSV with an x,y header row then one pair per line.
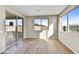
x,y
29,26
51,30
71,40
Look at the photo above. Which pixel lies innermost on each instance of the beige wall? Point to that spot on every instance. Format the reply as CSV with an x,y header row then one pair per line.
x,y
2,29
69,39
29,26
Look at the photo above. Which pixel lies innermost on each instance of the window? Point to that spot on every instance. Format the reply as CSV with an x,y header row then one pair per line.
x,y
44,24
70,21
40,24
64,22
73,17
37,24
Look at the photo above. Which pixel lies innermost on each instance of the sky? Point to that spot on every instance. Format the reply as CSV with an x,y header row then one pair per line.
x,y
64,20
73,17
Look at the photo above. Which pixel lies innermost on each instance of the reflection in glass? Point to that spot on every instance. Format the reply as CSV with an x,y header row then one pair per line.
x,y
10,32
19,29
14,31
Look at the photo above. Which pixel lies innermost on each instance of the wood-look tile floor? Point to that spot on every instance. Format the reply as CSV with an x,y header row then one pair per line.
x,y
38,46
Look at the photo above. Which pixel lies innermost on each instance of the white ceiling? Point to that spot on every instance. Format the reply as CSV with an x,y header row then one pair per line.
x,y
37,10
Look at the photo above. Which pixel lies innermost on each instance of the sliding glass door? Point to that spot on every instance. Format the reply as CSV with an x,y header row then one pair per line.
x,y
14,31
10,32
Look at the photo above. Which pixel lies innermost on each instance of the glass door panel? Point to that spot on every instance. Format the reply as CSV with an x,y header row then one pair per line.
x,y
19,29
10,32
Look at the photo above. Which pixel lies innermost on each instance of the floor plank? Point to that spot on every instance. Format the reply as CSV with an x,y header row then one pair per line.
x,y
38,46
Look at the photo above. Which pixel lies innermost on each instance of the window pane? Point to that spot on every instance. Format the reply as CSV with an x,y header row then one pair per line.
x,y
19,22
44,24
74,20
37,24
64,22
